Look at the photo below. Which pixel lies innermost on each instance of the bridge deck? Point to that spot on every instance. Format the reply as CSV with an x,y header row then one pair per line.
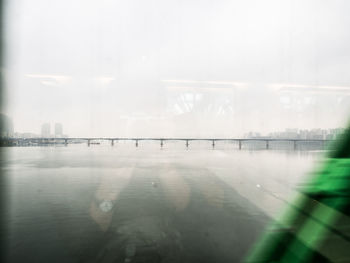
x,y
90,140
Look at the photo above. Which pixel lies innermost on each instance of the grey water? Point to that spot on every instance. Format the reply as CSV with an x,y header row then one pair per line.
x,y
166,205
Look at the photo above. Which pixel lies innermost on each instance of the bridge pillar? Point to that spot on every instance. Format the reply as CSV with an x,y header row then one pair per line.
x,y
88,143
137,143
267,144
186,143
65,142
112,142
161,143
240,144
213,144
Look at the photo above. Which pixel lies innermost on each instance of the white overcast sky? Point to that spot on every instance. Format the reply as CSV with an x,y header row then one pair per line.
x,y
126,68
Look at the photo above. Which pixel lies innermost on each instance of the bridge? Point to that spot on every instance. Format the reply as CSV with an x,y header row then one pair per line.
x,y
213,141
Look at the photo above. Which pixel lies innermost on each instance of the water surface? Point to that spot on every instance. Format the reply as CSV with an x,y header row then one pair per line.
x,y
168,205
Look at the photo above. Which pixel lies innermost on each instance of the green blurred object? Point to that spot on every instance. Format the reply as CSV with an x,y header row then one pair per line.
x,y
315,227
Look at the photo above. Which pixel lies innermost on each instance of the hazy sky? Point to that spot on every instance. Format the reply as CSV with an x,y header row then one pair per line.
x,y
177,68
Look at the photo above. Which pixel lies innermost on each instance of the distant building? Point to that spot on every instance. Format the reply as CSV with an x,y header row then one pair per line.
x,y
45,130
313,134
6,126
290,134
303,134
58,130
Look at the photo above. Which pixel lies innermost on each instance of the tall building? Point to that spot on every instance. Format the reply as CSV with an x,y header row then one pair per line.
x,y
45,130
58,130
6,126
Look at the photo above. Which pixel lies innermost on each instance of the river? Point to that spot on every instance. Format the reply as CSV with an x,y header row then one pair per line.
x,y
145,204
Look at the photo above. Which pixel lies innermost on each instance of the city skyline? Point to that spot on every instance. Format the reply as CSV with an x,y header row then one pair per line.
x,y
288,133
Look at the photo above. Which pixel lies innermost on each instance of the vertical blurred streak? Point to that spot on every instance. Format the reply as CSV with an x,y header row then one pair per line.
x,y
2,155
2,93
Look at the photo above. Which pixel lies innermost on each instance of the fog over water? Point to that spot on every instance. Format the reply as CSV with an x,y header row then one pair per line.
x,y
170,205
177,68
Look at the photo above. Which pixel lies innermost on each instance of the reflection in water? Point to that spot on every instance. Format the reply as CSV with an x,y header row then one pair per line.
x,y
175,188
106,196
211,190
73,204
